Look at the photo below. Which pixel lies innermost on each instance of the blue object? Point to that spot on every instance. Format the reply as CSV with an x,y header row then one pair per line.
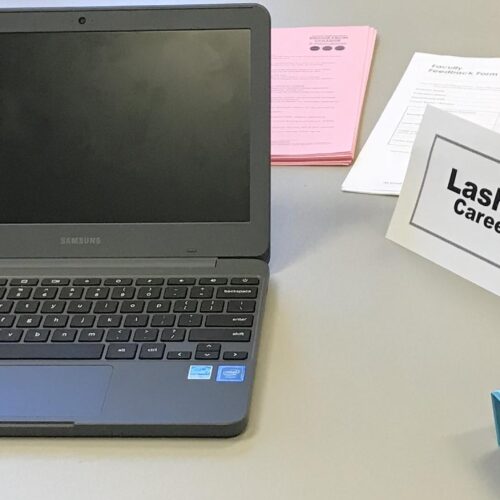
x,y
200,372
495,398
233,373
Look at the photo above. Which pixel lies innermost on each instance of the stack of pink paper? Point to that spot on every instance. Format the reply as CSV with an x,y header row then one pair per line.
x,y
319,78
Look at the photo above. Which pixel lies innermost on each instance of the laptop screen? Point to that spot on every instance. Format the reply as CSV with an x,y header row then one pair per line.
x,y
125,127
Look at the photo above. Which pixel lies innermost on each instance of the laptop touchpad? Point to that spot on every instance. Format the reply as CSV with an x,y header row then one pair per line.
x,y
53,391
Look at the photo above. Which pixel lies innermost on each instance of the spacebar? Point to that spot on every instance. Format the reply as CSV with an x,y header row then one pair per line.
x,y
51,351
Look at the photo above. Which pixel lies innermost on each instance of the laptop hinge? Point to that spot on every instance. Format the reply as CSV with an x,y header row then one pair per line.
x,y
137,263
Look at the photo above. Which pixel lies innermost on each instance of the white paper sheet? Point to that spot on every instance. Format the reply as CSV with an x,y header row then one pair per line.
x,y
465,86
449,207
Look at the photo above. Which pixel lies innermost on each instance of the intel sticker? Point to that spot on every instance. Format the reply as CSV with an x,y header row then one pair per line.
x,y
200,372
231,374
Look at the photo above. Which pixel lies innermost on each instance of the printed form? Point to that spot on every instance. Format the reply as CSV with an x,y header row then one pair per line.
x,y
318,83
465,86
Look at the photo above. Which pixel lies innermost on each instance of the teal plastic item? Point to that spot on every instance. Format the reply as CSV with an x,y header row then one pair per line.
x,y
495,398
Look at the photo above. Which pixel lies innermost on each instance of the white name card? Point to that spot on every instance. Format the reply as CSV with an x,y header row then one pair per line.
x,y
449,207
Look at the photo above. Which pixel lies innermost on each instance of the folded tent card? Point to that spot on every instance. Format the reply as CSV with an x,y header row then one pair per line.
x,y
318,83
449,207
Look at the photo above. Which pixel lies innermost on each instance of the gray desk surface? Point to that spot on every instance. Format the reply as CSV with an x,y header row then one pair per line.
x,y
376,365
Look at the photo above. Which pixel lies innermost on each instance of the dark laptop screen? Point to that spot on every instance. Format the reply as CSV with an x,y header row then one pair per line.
x,y
125,127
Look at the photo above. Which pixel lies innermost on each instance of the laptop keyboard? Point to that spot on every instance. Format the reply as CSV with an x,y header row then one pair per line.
x,y
150,318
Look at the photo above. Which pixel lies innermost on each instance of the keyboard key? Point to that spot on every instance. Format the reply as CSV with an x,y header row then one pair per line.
x,y
3,281
237,306
235,292
53,306
185,306
51,351
178,354
23,282
158,306
121,351
5,306
152,351
47,292
163,320
149,281
2,291
123,292
91,335
82,321
174,292
55,282
118,282
87,281
37,335
7,320
181,281
235,355
71,292
173,334
207,355
211,347
97,292
64,335
149,292
220,335
132,306
106,307
245,281
27,306
229,320
20,292
27,321
10,335
213,306
190,320
118,335
79,306
212,281
202,292
146,335
136,320
110,320
55,321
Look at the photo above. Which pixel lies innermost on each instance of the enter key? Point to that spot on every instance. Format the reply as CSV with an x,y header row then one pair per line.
x,y
229,320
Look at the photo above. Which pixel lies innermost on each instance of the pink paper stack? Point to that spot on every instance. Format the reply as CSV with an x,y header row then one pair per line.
x,y
319,78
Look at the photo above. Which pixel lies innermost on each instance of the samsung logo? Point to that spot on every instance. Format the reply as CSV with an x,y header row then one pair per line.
x,y
80,240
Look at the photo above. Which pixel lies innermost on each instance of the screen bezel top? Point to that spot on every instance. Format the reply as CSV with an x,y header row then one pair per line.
x,y
221,239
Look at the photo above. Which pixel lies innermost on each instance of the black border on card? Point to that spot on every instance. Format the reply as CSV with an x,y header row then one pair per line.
x,y
428,231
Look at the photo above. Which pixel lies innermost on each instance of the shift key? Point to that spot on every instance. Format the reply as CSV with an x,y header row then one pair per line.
x,y
219,335
235,320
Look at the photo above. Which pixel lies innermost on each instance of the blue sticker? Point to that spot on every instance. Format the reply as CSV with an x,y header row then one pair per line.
x,y
231,374
200,372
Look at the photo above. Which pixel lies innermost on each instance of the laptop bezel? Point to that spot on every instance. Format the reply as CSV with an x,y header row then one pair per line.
x,y
145,240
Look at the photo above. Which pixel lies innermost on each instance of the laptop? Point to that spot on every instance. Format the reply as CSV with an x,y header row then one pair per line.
x,y
134,219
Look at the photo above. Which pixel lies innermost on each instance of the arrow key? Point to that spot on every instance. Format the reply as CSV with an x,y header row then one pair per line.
x,y
179,355
208,347
235,355
207,355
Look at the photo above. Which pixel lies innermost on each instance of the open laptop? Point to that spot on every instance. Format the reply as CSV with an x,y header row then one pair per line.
x,y
134,219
